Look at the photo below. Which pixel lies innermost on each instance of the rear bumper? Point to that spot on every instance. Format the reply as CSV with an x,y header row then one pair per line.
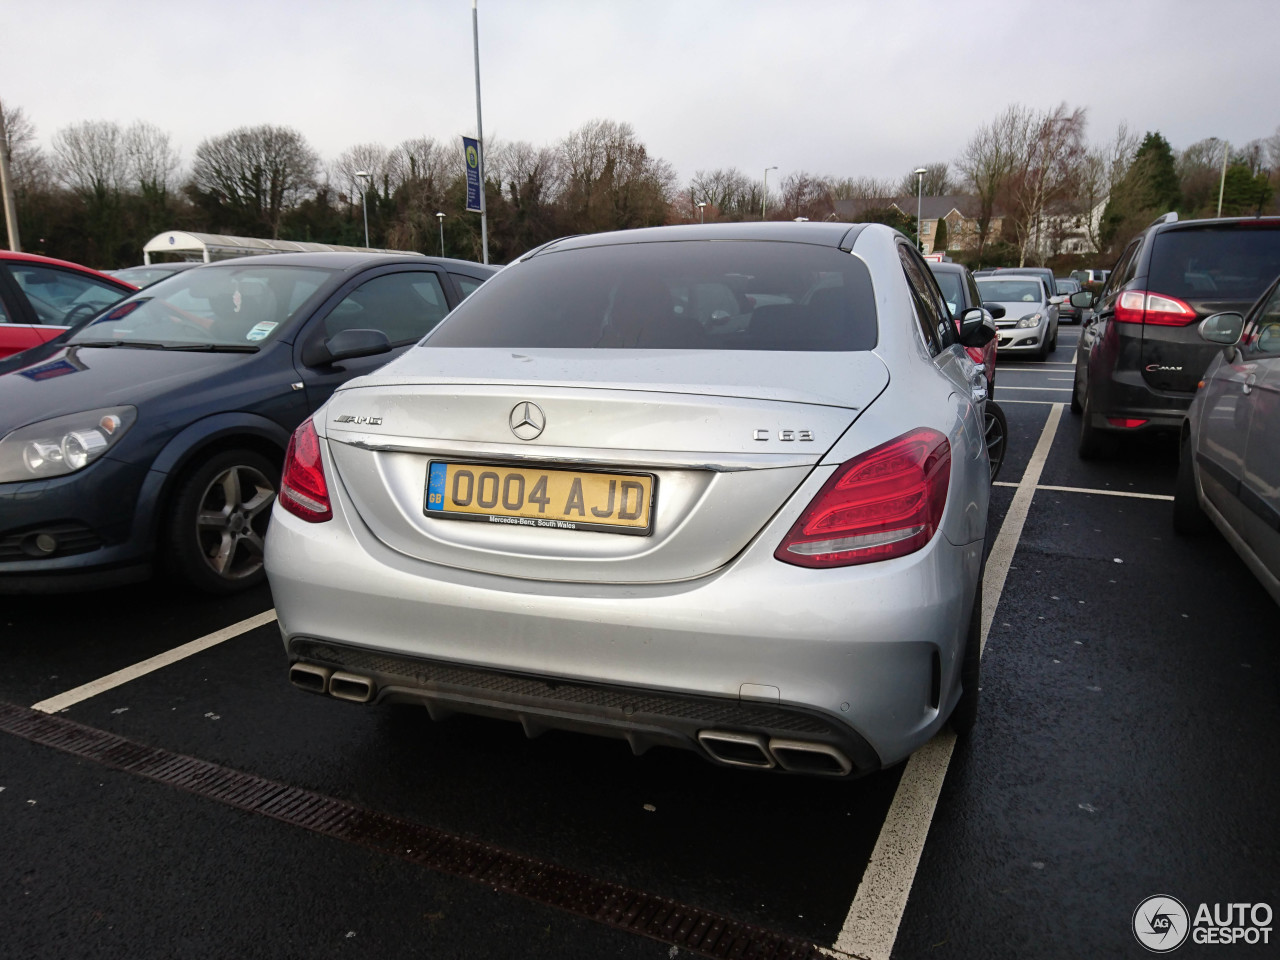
x,y
1126,396
867,656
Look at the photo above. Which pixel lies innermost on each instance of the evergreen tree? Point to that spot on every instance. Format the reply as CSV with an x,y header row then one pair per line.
x,y
1244,192
1149,188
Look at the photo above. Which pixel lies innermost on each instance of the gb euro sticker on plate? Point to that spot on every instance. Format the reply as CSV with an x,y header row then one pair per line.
x,y
260,330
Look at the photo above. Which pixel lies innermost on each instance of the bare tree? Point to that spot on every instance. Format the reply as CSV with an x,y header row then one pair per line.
x,y
862,188
370,158
730,193
988,159
1047,154
90,158
806,195
150,158
936,182
1199,168
256,172
417,160
1101,170
610,180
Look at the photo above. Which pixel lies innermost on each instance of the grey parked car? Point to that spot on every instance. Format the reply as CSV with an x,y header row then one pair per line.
x,y
1030,321
722,488
1229,469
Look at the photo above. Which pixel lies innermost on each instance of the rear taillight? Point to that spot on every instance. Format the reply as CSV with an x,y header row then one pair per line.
x,y
1140,306
886,503
303,490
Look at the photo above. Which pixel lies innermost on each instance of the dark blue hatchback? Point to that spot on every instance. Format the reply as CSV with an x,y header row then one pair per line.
x,y
153,436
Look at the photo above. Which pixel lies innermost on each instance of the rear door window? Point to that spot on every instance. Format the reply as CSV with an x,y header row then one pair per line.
x,y
1225,262
673,295
404,306
466,285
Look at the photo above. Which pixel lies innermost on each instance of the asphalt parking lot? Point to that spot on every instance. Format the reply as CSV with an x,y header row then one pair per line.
x,y
1124,749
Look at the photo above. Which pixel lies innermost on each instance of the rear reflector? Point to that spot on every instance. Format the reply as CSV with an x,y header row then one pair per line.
x,y
303,490
1127,423
1142,306
886,503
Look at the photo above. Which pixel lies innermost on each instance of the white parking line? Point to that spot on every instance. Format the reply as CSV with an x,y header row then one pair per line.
x,y
871,926
1004,387
113,680
1046,403
1106,493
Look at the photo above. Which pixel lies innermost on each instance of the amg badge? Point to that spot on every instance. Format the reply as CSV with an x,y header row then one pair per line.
x,y
348,418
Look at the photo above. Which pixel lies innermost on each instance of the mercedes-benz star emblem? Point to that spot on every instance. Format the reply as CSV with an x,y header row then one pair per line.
x,y
527,420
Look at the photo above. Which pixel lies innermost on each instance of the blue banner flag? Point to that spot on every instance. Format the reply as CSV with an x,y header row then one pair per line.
x,y
471,150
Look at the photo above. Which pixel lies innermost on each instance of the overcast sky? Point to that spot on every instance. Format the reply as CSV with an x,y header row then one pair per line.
x,y
853,88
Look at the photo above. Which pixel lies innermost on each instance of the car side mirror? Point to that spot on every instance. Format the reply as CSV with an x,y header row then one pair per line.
x,y
974,331
1084,299
345,345
1058,299
994,309
1224,328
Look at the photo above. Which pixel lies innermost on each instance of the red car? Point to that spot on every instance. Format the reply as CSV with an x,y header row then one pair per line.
x,y
40,297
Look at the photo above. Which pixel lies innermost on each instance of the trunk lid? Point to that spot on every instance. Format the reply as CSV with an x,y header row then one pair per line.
x,y
723,439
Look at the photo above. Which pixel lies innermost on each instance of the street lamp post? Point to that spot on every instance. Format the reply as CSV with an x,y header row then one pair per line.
x,y
764,200
1222,183
919,172
6,188
440,217
363,176
700,204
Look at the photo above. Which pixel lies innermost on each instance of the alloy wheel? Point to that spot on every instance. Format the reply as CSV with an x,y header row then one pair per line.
x,y
232,520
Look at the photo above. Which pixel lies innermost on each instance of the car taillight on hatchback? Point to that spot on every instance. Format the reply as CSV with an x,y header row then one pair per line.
x,y
303,489
885,503
1142,306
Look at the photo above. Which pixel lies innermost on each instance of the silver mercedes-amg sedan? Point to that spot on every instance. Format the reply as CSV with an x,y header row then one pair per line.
x,y
721,488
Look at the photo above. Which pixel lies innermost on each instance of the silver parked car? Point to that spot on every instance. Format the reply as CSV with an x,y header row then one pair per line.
x,y
1030,321
1229,468
721,488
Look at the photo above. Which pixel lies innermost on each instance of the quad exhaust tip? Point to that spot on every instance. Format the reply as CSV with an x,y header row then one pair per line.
x,y
350,686
794,756
336,683
737,749
802,756
309,677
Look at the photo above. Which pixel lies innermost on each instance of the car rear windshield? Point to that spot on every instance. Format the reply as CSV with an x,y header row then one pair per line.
x,y
1224,262
1010,291
673,295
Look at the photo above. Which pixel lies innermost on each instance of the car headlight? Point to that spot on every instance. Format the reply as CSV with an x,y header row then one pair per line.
x,y
63,445
1030,320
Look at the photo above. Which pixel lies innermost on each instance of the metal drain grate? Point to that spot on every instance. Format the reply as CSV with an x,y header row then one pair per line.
x,y
668,921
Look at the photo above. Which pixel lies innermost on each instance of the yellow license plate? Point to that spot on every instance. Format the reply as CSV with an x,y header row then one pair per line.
x,y
552,499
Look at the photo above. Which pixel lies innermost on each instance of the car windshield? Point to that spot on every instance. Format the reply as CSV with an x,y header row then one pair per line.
x,y
216,306
723,295
951,292
1225,262
1009,291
